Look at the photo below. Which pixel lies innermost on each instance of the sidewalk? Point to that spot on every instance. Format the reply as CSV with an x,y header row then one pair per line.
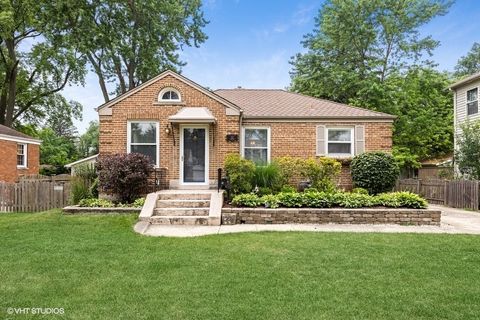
x,y
454,221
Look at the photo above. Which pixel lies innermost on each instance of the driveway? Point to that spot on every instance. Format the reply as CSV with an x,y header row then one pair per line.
x,y
458,220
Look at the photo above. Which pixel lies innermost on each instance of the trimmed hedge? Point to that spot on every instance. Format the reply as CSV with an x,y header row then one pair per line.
x,y
376,172
315,199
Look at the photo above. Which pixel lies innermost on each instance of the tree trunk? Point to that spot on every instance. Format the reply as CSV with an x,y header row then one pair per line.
x,y
118,71
101,79
10,91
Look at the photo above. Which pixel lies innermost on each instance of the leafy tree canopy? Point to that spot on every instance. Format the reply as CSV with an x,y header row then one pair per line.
x,y
469,63
467,154
88,142
369,53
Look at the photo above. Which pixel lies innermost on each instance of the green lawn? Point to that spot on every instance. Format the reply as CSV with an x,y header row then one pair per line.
x,y
96,267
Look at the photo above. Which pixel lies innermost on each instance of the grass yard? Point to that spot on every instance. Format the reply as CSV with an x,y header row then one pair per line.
x,y
96,267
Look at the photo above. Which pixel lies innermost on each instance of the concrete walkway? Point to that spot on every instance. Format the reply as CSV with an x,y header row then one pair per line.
x,y
454,221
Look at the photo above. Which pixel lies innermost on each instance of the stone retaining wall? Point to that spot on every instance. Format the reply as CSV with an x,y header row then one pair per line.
x,y
89,210
338,215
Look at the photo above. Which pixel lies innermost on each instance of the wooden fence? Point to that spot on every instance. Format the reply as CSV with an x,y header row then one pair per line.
x,y
34,195
453,193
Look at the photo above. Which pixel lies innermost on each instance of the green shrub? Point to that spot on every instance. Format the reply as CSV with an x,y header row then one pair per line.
x,y
270,201
80,190
288,189
289,169
375,171
267,176
310,190
246,200
95,203
402,199
360,191
240,172
138,203
291,199
321,172
353,200
83,183
263,191
315,199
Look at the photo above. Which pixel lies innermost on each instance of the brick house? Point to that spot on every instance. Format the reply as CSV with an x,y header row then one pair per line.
x,y
187,129
19,154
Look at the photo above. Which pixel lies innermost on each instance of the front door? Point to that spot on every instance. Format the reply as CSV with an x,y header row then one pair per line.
x,y
194,155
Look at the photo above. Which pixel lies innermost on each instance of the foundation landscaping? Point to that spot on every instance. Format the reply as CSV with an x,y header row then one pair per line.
x,y
263,194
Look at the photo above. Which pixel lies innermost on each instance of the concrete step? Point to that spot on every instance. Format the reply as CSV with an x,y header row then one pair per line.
x,y
181,212
179,220
183,203
184,196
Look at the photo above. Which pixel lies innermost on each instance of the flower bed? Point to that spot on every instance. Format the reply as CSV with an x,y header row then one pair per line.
x,y
103,206
315,199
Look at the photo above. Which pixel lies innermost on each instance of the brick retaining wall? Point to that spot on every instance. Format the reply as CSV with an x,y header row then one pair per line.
x,y
337,215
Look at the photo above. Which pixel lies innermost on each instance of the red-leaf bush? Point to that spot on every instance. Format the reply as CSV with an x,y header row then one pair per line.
x,y
125,175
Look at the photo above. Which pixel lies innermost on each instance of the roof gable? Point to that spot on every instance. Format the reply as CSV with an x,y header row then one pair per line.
x,y
179,77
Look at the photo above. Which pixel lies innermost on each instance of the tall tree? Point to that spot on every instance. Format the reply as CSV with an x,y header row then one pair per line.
x,y
88,142
369,53
128,42
469,63
357,43
44,67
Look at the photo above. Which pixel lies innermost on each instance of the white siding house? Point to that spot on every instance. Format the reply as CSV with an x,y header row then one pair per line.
x,y
466,101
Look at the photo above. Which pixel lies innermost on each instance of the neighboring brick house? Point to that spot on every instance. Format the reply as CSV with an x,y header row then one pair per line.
x,y
19,154
187,129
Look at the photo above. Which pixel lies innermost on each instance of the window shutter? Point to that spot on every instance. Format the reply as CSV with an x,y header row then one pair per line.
x,y
359,139
321,145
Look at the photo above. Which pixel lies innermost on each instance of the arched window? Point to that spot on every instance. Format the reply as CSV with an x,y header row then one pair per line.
x,y
169,95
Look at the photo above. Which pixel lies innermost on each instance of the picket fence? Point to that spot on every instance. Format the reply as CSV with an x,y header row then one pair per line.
x,y
453,193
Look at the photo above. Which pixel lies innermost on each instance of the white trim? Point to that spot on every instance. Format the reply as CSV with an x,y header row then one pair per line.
x,y
157,138
20,140
189,82
25,156
467,102
68,165
269,145
207,155
166,89
352,143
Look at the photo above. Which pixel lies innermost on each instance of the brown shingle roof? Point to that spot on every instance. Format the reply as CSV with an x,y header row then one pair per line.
x,y
277,103
6,131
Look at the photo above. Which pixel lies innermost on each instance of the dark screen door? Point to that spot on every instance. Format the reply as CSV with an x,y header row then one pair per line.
x,y
194,155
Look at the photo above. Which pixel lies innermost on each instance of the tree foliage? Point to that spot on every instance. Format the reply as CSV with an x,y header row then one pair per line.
x,y
46,65
56,150
369,53
128,42
469,63
467,155
88,142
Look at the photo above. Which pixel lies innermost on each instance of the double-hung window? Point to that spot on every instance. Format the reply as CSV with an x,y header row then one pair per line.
x,y
472,101
21,155
143,138
340,142
256,144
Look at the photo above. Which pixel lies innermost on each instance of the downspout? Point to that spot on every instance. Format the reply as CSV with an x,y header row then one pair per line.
x,y
240,123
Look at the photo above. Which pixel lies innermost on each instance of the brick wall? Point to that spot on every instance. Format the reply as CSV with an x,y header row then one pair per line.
x,y
143,105
288,138
8,164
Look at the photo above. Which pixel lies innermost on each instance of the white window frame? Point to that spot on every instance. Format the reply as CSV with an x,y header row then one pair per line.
x,y
466,105
352,142
242,149
162,92
157,138
25,150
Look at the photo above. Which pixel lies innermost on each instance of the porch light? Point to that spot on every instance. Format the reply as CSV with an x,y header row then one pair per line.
x,y
167,130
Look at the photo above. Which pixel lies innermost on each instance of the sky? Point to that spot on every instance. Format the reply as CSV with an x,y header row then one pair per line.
x,y
250,44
